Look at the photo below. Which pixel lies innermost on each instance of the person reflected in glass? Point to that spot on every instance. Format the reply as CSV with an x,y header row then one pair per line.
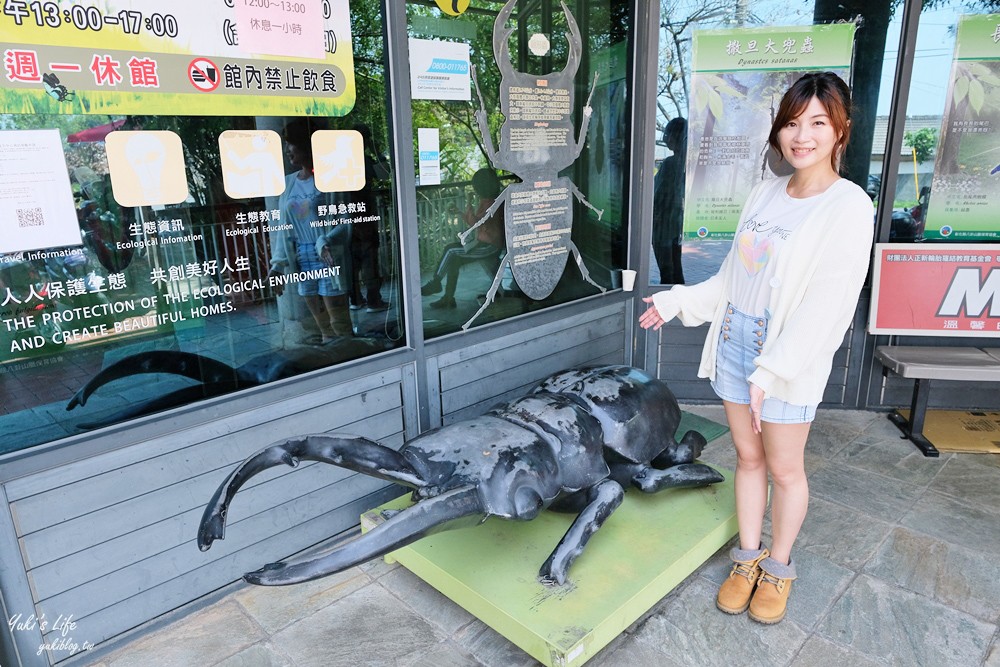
x,y
779,308
486,247
365,241
668,205
294,250
919,212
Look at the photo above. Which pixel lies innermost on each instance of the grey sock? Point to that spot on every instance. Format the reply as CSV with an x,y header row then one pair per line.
x,y
745,554
778,569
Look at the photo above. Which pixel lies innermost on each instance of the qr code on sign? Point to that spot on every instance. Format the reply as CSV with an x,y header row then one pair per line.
x,y
30,217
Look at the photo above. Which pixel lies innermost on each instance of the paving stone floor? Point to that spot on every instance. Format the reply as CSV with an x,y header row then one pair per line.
x,y
897,564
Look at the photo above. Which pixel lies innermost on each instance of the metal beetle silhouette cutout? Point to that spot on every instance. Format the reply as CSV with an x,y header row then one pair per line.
x,y
573,445
536,143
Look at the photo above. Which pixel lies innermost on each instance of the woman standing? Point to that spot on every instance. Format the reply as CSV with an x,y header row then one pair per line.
x,y
779,307
295,249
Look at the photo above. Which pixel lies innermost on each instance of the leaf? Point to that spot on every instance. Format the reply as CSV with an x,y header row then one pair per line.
x,y
961,89
990,78
715,103
724,87
977,70
976,95
700,98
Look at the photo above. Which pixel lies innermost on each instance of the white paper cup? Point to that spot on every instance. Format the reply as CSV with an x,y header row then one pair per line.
x,y
628,280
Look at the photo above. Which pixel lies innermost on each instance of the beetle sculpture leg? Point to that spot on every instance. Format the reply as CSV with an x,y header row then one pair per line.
x,y
491,294
683,476
602,499
351,452
685,451
673,468
426,517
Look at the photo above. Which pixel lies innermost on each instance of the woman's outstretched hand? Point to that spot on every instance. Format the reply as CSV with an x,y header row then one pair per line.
x,y
651,318
756,406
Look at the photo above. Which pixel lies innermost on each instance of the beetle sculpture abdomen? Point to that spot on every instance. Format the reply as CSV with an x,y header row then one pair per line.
x,y
573,444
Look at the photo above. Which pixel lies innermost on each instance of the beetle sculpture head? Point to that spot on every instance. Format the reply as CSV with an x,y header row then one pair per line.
x,y
547,449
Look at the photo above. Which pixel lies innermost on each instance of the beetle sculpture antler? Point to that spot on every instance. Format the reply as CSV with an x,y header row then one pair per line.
x,y
571,445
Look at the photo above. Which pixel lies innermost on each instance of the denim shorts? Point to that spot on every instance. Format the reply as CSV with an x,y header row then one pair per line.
x,y
741,338
310,261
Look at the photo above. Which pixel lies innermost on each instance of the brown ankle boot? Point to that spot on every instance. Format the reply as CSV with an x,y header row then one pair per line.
x,y
735,592
770,601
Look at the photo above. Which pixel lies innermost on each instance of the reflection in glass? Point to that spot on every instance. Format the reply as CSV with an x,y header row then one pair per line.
x,y
943,190
668,205
171,303
702,258
538,47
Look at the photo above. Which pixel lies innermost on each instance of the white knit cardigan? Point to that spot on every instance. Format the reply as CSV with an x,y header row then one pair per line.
x,y
814,293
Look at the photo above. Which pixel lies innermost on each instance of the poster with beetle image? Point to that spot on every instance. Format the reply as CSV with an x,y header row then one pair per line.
x,y
965,190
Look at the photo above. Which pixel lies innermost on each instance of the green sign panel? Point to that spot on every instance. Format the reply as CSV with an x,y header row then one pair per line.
x,y
965,191
738,79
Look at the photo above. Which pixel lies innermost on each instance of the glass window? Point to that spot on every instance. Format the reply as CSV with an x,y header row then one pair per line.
x,y
266,267
945,190
539,195
683,259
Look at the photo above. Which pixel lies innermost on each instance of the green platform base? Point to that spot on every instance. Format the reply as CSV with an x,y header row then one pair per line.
x,y
647,547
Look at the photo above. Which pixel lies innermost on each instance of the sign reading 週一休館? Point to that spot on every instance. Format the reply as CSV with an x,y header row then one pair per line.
x,y
738,78
130,57
965,190
936,290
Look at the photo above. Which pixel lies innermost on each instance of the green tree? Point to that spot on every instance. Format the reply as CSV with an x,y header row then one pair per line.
x,y
922,141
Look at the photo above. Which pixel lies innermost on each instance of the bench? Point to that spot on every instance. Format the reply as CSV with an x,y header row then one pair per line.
x,y
923,364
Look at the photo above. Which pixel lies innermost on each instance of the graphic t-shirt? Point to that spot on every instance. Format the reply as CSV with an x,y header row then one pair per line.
x,y
758,243
300,204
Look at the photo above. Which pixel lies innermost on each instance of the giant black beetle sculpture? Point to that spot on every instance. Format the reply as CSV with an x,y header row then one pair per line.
x,y
536,143
572,445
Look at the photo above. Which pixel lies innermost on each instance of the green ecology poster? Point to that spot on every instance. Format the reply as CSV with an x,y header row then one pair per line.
x,y
965,190
738,78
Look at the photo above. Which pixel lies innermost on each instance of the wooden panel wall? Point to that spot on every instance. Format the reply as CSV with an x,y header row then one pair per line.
x,y
475,378
111,539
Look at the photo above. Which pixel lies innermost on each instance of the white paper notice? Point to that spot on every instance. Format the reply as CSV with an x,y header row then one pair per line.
x,y
283,28
36,200
439,70
429,148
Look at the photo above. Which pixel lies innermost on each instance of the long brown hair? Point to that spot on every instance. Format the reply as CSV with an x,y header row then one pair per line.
x,y
833,94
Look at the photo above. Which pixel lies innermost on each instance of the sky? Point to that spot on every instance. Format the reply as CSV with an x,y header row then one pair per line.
x,y
932,63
